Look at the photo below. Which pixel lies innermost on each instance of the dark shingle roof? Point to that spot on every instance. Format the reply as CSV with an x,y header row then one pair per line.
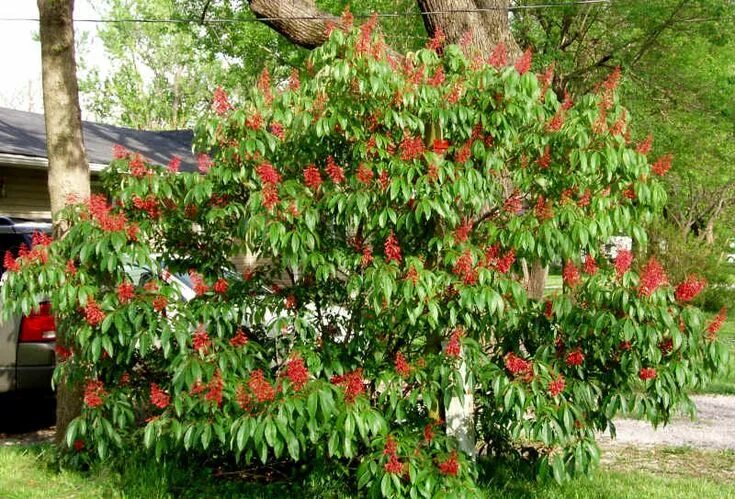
x,y
24,133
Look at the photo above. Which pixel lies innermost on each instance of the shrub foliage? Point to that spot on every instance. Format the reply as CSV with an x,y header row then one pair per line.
x,y
393,201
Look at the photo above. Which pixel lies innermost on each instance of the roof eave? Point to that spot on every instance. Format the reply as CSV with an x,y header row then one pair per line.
x,y
37,163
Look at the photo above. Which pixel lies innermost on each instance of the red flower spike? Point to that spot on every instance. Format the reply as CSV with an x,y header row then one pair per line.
x,y
365,173
198,282
662,165
556,386
297,373
93,314
590,265
221,286
437,41
575,358
437,78
294,83
125,292
690,288
270,196
200,339
556,122
159,398
353,383
214,388
548,309
499,56
367,257
384,179
160,303
220,102
462,232
440,146
137,167
544,160
392,249
402,367
260,387
10,263
623,260
518,366
453,348
94,392
268,174
204,163
78,444
335,172
716,324
312,177
119,152
429,433
647,373
653,277
523,64
645,146
450,466
570,274
240,339
174,164
254,121
464,267
411,148
394,466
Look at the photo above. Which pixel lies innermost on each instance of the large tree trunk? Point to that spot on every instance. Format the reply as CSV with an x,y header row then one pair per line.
x,y
68,171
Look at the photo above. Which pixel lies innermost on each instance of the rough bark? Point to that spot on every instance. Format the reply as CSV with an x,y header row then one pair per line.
x,y
68,171
307,26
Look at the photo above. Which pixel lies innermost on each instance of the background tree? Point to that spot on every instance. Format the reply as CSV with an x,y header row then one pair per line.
x,y
68,171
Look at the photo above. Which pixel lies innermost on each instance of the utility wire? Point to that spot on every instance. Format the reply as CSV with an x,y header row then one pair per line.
x,y
329,18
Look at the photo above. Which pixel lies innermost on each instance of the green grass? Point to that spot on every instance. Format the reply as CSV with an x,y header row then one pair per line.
x,y
28,472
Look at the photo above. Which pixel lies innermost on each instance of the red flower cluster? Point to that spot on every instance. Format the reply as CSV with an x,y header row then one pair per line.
x,y
335,172
412,275
294,83
450,466
119,152
575,358
198,282
499,56
159,398
716,324
464,267
393,465
544,209
240,339
270,196
548,309
645,146
40,239
277,129
623,260
352,382
214,388
437,78
149,205
312,177
437,41
220,103
297,372
254,121
174,164
100,211
429,432
462,232
662,165
10,263
290,302
160,303
518,366
570,274
125,292
93,393
367,257
204,163
690,288
267,173
137,167
402,367
590,265
384,179
221,286
453,348
513,204
260,387
523,64
71,268
647,373
544,160
653,277
411,147
62,353
93,314
365,173
392,249
200,339
556,386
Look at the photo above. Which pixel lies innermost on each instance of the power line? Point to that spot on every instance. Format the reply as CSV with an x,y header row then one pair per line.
x,y
326,18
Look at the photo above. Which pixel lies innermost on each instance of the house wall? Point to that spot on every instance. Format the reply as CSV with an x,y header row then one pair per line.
x,y
24,193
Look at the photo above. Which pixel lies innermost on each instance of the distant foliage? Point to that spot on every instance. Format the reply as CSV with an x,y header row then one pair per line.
x,y
392,201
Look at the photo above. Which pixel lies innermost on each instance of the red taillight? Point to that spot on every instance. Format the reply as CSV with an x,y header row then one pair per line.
x,y
38,326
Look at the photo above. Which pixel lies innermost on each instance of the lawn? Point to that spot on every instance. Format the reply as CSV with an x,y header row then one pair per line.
x,y
27,472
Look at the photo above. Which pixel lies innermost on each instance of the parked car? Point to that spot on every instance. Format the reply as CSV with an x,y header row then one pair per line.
x,y
27,343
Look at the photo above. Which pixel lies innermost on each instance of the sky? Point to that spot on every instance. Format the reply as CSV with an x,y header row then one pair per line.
x,y
20,56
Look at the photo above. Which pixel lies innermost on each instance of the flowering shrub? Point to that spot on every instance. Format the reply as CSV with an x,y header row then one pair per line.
x,y
394,200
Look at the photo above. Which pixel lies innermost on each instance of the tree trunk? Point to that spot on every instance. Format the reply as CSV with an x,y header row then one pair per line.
x,y
68,171
301,30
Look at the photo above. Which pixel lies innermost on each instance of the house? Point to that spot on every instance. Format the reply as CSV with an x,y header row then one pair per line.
x,y
23,162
